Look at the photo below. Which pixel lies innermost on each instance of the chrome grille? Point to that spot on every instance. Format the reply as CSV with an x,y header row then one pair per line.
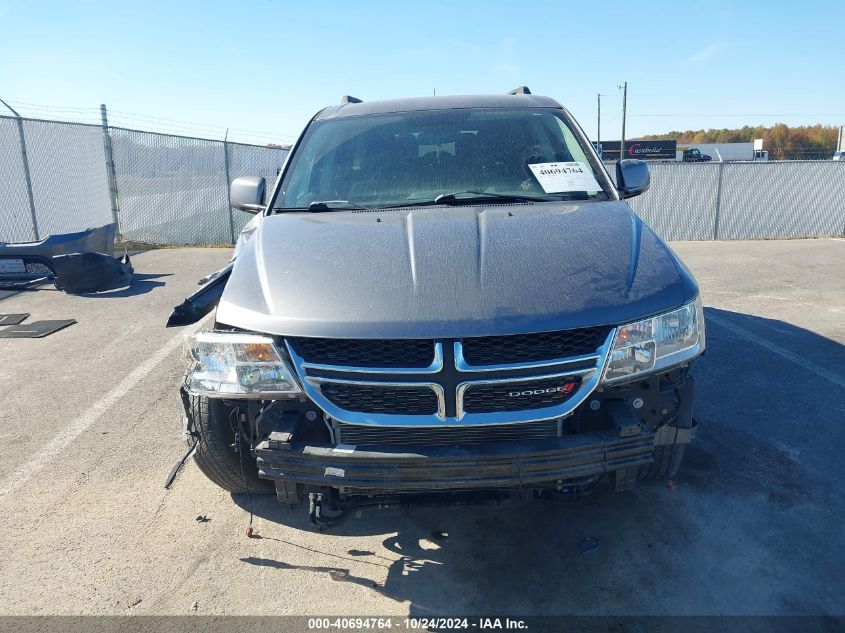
x,y
451,382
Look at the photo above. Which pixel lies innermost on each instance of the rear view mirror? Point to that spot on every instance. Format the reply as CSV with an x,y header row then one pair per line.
x,y
632,177
247,194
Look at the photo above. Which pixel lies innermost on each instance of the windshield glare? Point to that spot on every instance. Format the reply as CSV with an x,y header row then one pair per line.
x,y
412,157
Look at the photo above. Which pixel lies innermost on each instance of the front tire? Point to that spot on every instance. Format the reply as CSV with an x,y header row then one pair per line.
x,y
215,453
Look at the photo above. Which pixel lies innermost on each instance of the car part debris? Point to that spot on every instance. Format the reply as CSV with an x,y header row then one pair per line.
x,y
78,273
202,301
12,319
178,465
217,273
97,240
24,284
78,262
36,329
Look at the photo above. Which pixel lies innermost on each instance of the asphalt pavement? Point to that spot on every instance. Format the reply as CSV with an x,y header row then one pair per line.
x,y
89,423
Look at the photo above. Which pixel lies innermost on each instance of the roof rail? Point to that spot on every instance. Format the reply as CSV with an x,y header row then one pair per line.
x,y
521,90
348,99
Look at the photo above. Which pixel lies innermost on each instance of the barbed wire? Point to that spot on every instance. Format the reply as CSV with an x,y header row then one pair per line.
x,y
144,122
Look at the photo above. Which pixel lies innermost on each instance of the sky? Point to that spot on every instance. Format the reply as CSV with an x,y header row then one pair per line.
x,y
263,68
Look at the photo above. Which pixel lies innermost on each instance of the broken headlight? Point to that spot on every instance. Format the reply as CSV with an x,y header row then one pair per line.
x,y
232,364
656,343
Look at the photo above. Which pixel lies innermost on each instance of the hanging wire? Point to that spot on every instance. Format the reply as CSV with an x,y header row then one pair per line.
x,y
146,122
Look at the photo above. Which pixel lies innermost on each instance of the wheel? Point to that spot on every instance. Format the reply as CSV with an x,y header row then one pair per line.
x,y
667,460
215,454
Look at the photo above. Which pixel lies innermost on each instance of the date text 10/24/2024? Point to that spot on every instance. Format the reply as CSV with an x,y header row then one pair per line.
x,y
434,623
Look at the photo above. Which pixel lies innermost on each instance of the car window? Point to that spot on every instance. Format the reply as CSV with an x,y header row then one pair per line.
x,y
408,157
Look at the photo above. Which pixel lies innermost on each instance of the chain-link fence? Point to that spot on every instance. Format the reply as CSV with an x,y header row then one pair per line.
x,y
175,189
731,201
54,178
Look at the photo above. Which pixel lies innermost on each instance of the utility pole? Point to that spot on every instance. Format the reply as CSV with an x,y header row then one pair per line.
x,y
624,88
598,124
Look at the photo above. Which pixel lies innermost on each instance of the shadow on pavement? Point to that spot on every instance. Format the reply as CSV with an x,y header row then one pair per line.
x,y
142,283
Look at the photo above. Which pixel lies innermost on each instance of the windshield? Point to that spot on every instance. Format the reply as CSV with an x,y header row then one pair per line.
x,y
412,157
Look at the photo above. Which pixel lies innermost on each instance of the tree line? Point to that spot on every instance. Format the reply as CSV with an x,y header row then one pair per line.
x,y
782,141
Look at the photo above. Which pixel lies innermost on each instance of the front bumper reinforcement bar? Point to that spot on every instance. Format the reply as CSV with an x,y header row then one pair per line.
x,y
483,466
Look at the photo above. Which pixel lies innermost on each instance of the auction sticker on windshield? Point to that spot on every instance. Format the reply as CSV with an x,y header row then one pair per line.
x,y
565,177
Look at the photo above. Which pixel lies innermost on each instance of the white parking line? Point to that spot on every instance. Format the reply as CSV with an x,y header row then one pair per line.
x,y
780,351
60,442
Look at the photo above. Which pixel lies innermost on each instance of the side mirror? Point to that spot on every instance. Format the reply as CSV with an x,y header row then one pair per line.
x,y
632,177
247,194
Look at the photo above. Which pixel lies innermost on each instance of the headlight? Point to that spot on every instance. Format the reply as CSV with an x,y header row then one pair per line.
x,y
245,365
656,343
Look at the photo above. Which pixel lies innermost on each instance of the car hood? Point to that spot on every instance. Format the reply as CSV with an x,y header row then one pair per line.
x,y
452,272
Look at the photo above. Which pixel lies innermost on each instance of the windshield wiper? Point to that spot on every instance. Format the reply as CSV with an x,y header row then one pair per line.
x,y
468,197
334,205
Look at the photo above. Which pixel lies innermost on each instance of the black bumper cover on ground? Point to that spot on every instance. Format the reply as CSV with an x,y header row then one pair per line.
x,y
484,466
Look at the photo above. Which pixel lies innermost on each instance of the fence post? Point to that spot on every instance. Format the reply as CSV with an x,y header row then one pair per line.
x,y
718,201
228,186
110,170
26,175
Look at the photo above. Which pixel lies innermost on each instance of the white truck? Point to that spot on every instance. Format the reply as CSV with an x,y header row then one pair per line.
x,y
721,152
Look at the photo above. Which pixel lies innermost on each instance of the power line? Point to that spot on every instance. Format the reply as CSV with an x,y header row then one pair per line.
x,y
136,116
76,114
43,106
733,115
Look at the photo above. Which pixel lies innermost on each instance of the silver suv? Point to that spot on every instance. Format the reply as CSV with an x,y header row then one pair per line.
x,y
442,296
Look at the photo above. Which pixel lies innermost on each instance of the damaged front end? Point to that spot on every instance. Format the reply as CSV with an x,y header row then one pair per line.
x,y
334,467
203,301
343,423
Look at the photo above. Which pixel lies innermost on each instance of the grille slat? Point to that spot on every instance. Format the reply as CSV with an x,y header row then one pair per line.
x,y
525,348
378,399
388,353
423,436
